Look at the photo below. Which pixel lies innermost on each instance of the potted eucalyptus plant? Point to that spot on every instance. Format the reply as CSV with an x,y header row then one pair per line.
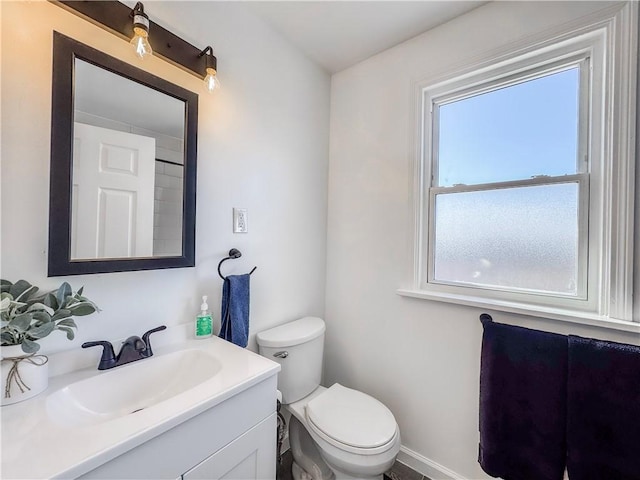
x,y
26,317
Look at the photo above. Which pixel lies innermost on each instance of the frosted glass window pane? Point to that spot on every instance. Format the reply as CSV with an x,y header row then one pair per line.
x,y
513,133
517,238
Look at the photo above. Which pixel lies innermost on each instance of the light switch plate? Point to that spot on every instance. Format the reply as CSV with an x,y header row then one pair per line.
x,y
240,222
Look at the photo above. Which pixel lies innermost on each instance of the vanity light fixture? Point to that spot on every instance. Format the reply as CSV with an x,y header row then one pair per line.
x,y
140,39
117,18
211,79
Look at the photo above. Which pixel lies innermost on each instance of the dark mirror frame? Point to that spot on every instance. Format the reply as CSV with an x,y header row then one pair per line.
x,y
65,51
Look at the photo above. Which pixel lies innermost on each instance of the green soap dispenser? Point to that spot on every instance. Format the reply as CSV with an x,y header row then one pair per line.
x,y
204,322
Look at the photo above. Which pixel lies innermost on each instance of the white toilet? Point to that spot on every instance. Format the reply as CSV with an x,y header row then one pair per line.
x,y
334,432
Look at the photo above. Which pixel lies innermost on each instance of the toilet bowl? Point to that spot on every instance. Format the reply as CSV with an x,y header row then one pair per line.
x,y
356,435
334,432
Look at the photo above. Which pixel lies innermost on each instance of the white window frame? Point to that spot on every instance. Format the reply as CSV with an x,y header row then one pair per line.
x,y
609,41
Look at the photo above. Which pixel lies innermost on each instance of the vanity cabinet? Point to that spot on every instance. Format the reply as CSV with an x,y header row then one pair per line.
x,y
235,439
249,456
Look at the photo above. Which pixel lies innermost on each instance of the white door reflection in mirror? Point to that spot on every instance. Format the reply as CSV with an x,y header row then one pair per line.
x,y
113,192
125,203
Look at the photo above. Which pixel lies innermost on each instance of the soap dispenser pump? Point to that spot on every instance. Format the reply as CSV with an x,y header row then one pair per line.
x,y
204,322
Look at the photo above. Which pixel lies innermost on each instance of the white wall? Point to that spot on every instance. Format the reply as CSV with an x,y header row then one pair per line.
x,y
262,145
419,357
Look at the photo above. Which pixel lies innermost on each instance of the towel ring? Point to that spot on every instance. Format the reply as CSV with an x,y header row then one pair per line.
x,y
233,253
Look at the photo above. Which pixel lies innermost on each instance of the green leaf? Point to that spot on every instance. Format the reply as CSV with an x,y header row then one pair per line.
x,y
17,304
69,331
62,293
20,287
41,331
51,301
80,291
81,299
82,309
5,286
69,301
7,339
42,317
30,347
27,294
22,322
60,314
40,306
67,322
5,303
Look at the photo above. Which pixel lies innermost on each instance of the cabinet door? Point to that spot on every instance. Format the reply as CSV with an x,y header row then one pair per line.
x,y
250,456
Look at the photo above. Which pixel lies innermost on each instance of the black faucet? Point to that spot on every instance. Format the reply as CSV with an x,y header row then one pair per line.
x,y
133,348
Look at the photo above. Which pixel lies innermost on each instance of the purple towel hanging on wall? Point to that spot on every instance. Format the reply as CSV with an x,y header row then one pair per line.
x,y
523,379
603,420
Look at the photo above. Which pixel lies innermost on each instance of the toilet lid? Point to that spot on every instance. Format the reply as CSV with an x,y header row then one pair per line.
x,y
351,417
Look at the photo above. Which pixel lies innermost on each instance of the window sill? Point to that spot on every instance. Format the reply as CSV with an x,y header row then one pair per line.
x,y
582,318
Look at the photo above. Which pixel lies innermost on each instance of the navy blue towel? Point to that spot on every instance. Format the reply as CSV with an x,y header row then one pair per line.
x,y
523,390
235,309
603,424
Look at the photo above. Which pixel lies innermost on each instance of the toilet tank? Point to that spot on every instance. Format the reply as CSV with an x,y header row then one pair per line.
x,y
298,347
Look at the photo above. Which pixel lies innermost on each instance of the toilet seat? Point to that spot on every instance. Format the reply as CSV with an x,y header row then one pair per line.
x,y
351,421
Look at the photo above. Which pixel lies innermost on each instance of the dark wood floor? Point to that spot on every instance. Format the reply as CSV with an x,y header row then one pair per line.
x,y
284,469
399,471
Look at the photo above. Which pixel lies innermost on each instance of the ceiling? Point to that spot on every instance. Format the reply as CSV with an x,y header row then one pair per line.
x,y
99,92
339,34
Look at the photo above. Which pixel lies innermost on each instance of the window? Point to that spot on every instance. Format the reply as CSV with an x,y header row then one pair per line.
x,y
525,178
509,176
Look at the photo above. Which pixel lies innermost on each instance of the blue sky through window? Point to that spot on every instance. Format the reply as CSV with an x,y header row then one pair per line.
x,y
513,133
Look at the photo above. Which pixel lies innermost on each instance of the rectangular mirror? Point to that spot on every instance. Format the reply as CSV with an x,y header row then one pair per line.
x,y
123,166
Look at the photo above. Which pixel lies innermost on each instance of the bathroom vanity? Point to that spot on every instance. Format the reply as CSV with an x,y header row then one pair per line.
x,y
199,409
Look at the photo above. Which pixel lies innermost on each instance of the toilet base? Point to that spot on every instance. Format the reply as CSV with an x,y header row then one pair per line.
x,y
342,475
345,476
298,473
310,463
307,461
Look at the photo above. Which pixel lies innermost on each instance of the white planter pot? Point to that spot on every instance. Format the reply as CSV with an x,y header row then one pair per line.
x,y
23,376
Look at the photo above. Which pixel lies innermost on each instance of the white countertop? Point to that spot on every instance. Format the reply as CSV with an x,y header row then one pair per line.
x,y
35,446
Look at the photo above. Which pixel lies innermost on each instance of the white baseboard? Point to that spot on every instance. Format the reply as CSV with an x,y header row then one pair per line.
x,y
426,466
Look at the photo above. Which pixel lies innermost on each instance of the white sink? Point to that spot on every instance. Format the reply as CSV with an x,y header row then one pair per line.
x,y
90,411
131,388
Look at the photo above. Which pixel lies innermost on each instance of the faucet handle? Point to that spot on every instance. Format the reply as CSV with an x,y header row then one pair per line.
x,y
108,358
147,342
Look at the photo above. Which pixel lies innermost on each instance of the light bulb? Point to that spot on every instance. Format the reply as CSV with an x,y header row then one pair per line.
x,y
211,80
140,42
